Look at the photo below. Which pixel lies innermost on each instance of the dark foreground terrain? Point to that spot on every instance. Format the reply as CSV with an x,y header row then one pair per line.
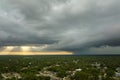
x,y
59,67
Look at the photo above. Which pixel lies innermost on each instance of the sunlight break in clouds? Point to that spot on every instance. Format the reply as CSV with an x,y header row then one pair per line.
x,y
30,50
25,48
37,53
8,49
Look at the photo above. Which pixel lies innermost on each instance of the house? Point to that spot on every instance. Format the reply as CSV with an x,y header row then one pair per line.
x,y
117,74
78,69
118,69
97,65
66,78
11,75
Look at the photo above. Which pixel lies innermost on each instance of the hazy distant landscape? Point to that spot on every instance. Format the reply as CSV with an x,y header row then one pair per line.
x,y
60,67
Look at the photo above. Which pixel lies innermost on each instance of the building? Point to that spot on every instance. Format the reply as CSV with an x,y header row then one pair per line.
x,y
117,74
11,75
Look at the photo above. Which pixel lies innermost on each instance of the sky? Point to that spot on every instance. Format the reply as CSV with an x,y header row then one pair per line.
x,y
60,26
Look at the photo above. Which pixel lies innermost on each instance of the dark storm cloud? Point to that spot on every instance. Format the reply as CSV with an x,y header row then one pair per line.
x,y
73,25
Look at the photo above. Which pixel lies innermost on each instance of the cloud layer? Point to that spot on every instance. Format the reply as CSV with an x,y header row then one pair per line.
x,y
70,25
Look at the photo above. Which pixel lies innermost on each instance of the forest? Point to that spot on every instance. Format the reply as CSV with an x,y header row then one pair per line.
x,y
67,67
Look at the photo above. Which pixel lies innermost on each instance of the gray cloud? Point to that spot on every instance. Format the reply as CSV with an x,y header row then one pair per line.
x,y
73,25
105,50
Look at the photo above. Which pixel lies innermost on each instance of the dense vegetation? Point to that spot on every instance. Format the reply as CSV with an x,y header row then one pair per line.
x,y
92,67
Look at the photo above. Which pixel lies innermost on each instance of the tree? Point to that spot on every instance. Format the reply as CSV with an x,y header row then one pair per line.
x,y
81,76
110,72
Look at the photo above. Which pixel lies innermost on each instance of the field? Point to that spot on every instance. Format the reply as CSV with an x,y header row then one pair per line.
x,y
60,67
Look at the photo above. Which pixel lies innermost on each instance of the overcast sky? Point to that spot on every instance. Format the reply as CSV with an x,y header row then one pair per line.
x,y
79,26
